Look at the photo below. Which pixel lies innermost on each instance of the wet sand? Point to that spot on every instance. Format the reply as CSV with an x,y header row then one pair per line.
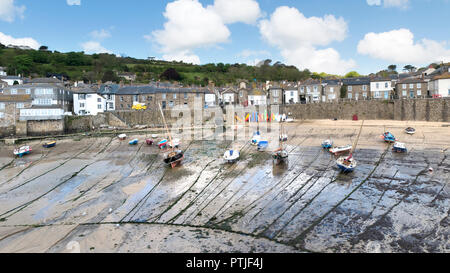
x,y
103,195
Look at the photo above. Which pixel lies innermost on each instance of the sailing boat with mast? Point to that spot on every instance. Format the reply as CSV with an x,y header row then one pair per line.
x,y
281,155
348,164
174,157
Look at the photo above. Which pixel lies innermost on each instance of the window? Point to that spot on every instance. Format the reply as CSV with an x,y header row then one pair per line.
x,y
121,106
149,98
82,96
13,91
108,97
364,95
404,93
2,115
174,96
99,106
81,105
89,96
419,92
185,96
170,103
241,94
129,105
331,89
419,85
292,93
43,91
350,95
378,86
308,89
386,85
20,105
275,100
121,99
411,86
28,91
111,106
164,96
315,89
99,100
377,95
136,98
43,101
404,86
2,106
275,93
364,87
302,89
350,88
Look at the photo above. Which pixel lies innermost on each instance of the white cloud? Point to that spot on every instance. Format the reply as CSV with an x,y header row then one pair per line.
x,y
189,25
185,56
9,40
100,34
232,11
92,47
403,4
297,38
9,11
247,53
74,2
399,46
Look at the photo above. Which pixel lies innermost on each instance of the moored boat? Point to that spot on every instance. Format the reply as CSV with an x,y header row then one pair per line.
x,y
231,156
163,144
280,155
388,137
122,136
175,143
399,147
256,138
346,164
327,144
24,150
174,158
149,142
154,136
341,150
410,131
262,145
49,144
134,142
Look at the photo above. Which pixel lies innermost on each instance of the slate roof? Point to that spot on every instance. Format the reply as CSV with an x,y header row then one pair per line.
x,y
356,81
145,89
15,98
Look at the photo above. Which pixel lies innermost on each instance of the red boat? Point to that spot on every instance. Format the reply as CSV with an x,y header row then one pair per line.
x,y
149,142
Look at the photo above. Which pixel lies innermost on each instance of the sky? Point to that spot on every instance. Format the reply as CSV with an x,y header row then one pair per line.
x,y
323,35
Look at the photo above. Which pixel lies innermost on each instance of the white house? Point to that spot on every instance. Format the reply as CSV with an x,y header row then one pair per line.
x,y
381,88
11,79
3,72
88,103
291,95
210,99
440,85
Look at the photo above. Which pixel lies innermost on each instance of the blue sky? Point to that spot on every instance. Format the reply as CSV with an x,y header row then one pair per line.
x,y
324,35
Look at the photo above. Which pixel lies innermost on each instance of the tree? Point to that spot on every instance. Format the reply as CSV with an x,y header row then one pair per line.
x,y
352,74
43,48
110,76
171,75
343,92
409,68
392,68
22,64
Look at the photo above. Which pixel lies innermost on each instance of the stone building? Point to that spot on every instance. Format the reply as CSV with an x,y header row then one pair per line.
x,y
411,88
357,88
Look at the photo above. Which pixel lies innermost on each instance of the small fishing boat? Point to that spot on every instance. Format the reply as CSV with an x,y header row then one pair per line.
x,y
256,138
289,120
388,137
163,144
134,142
410,131
122,136
327,144
24,150
262,145
231,156
154,136
280,155
149,142
174,158
346,164
49,144
341,150
399,147
175,143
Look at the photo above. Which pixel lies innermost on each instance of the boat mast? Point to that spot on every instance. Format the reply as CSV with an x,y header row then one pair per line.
x,y
165,125
357,139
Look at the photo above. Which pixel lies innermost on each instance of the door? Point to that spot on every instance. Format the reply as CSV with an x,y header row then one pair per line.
x,y
411,94
163,105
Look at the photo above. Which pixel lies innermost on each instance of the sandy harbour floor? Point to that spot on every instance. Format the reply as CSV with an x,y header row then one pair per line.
x,y
98,194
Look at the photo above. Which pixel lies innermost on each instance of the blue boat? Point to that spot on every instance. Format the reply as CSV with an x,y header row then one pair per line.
x,y
262,145
399,147
327,144
256,138
22,151
134,142
49,144
346,164
388,137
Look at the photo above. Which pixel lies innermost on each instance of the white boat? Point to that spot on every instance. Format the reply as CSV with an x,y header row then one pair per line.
x,y
231,156
327,144
24,150
154,136
175,143
399,147
346,164
256,138
341,149
410,131
122,136
289,120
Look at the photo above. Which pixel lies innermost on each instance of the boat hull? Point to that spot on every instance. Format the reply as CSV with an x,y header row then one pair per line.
x,y
49,145
175,160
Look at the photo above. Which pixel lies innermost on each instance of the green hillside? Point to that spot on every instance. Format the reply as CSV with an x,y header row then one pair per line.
x,y
105,67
